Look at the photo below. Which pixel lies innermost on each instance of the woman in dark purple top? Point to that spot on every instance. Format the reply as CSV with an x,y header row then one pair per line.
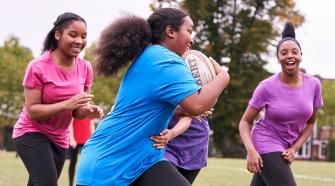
x,y
291,100
187,147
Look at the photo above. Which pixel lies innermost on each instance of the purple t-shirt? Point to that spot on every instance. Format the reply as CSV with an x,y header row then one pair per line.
x,y
56,85
286,112
190,149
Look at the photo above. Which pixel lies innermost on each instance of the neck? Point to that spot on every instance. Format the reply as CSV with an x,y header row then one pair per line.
x,y
292,80
167,45
61,59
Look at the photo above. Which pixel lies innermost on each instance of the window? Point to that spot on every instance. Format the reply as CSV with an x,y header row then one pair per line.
x,y
323,150
305,151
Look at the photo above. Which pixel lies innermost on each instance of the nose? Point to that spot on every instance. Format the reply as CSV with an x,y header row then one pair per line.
x,y
80,40
192,43
290,55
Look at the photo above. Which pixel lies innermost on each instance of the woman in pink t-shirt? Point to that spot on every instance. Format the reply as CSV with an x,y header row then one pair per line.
x,y
290,100
55,90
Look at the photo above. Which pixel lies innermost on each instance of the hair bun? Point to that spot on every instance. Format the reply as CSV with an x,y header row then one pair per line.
x,y
288,30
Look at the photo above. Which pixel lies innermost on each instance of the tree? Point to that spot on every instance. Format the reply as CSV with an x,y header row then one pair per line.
x,y
239,35
327,113
13,61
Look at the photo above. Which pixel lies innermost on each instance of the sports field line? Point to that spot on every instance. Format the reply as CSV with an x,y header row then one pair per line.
x,y
297,176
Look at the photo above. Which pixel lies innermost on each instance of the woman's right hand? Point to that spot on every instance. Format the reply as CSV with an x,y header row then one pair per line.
x,y
77,101
162,139
216,65
254,162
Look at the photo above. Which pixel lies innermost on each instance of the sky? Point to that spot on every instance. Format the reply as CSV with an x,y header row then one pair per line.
x,y
31,20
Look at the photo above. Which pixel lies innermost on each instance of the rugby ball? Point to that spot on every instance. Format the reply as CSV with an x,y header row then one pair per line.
x,y
201,67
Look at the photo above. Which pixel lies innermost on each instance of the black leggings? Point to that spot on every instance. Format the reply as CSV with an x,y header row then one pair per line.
x,y
73,155
42,158
190,175
276,171
163,174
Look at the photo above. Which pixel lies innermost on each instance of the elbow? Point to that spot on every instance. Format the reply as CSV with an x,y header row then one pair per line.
x,y
243,126
33,114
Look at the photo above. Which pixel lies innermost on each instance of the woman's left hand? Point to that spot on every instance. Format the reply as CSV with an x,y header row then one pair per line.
x,y
91,111
161,140
289,154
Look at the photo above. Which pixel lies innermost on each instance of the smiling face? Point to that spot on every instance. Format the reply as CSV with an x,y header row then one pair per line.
x,y
289,56
183,36
182,39
73,39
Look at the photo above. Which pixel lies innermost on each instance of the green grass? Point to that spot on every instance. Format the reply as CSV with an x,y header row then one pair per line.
x,y
220,172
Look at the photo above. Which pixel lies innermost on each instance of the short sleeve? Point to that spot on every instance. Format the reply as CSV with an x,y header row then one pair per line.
x,y
33,77
318,101
174,82
89,77
259,97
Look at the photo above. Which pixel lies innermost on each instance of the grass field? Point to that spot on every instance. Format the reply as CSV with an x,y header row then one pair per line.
x,y
220,172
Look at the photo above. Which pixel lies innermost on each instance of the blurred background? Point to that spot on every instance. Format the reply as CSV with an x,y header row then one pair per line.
x,y
240,34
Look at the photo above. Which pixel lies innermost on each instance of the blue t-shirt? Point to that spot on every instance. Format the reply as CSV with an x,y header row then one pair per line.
x,y
120,150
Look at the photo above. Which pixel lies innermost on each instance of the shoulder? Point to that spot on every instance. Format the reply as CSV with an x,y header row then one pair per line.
x,y
41,62
85,66
83,62
162,53
269,81
311,79
266,86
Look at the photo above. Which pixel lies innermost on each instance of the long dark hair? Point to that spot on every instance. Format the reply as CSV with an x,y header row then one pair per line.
x,y
62,21
123,40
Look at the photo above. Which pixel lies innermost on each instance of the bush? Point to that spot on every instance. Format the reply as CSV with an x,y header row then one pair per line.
x,y
331,152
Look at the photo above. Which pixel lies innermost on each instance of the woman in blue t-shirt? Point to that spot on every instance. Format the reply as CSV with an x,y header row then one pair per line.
x,y
120,151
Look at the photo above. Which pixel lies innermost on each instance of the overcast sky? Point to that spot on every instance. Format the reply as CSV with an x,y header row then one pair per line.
x,y
30,20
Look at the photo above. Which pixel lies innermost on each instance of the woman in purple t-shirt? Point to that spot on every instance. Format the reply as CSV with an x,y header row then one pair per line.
x,y
55,90
186,142
290,100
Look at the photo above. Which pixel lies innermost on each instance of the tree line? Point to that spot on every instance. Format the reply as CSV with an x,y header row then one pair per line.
x,y
238,34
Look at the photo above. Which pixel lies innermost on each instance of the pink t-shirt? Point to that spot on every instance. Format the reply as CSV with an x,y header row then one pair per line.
x,y
56,85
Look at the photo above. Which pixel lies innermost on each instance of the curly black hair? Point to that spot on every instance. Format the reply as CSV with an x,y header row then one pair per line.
x,y
121,42
124,39
62,21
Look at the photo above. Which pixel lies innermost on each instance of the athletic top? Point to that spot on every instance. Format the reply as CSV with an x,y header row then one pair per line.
x,y
81,130
56,85
286,112
190,149
120,149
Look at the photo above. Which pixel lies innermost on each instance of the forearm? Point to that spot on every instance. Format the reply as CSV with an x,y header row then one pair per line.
x,y
245,130
303,136
206,98
183,124
45,111
211,91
